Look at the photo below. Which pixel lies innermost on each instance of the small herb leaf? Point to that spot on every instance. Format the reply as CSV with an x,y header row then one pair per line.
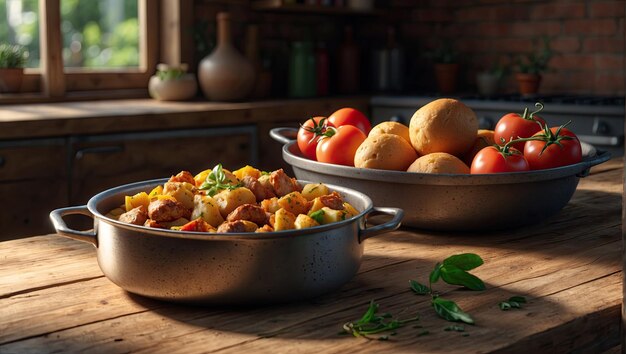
x,y
450,311
455,328
419,288
464,261
504,306
451,274
435,274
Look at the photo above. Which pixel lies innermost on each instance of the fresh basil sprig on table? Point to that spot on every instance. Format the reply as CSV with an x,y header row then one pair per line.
x,y
514,302
453,270
217,181
371,323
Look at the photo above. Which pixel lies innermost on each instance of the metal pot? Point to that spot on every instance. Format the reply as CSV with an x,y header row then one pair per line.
x,y
453,202
234,268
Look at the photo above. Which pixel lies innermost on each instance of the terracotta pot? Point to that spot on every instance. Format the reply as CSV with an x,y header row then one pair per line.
x,y
528,83
446,75
179,89
11,79
225,74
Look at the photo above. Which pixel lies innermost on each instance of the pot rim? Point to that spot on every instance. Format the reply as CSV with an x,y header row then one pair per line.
x,y
95,201
402,177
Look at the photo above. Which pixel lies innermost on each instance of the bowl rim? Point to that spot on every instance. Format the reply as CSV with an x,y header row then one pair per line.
x,y
291,155
95,202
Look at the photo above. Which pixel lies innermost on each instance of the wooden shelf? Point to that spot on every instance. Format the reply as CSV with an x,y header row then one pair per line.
x,y
281,6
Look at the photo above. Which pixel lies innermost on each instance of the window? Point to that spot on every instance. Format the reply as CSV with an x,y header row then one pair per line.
x,y
76,45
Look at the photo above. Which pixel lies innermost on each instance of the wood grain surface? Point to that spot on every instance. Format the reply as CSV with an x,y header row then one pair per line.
x,y
53,296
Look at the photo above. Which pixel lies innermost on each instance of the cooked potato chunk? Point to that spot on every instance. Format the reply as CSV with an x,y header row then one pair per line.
x,y
294,203
270,205
316,205
314,190
304,221
247,171
131,202
201,177
228,200
181,191
283,220
206,208
350,210
156,191
327,215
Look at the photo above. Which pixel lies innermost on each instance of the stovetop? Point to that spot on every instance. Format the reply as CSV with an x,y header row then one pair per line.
x,y
563,103
593,100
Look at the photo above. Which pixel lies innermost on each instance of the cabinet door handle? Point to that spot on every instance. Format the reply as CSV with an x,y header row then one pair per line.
x,y
2,161
98,150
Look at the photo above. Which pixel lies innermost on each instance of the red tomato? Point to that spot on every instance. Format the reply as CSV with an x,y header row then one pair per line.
x,y
493,160
558,146
340,148
513,126
350,116
309,134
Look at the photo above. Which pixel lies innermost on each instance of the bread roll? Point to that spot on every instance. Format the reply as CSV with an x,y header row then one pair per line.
x,y
443,125
483,139
391,128
385,152
439,162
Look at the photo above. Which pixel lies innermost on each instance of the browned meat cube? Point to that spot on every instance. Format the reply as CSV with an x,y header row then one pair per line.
x,y
135,216
183,176
249,212
237,226
282,183
163,210
332,200
260,191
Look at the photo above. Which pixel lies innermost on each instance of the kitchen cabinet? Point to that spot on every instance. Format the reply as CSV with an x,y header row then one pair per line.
x,y
33,175
99,162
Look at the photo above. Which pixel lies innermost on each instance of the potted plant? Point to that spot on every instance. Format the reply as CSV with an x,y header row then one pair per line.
x,y
530,68
12,60
488,81
446,68
172,83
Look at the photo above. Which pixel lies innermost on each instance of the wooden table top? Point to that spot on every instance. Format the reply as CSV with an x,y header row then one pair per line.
x,y
53,296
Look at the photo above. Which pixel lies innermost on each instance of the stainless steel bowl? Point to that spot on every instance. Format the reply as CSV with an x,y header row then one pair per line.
x,y
233,268
453,202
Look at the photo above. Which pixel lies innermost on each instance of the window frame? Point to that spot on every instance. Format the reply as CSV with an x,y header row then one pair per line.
x,y
53,80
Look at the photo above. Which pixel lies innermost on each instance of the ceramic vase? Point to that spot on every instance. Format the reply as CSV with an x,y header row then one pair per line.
x,y
225,74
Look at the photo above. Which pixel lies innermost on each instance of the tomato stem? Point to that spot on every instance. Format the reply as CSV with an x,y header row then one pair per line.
x,y
548,137
539,105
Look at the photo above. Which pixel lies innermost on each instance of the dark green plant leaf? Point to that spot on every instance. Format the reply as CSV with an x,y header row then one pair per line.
x,y
370,323
450,311
419,288
434,275
451,274
464,261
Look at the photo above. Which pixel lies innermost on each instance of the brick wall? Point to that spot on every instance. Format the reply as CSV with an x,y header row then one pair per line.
x,y
587,37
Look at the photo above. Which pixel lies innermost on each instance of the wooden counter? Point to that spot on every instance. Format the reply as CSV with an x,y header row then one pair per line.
x,y
99,117
53,296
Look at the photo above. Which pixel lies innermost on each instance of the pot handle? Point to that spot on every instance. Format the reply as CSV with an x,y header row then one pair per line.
x,y
61,228
284,135
598,158
390,225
